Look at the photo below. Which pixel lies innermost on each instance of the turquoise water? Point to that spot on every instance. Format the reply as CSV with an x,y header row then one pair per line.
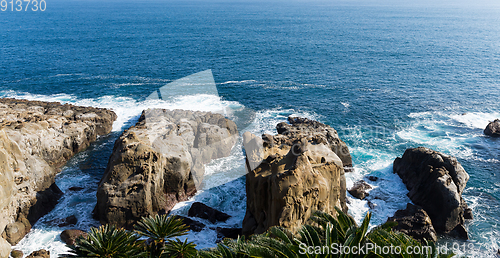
x,y
388,75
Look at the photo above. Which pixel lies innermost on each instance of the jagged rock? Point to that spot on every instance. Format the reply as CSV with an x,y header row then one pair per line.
x,y
414,222
373,178
159,162
36,139
203,211
228,233
493,128
16,254
435,182
39,254
359,188
193,224
14,232
69,236
292,174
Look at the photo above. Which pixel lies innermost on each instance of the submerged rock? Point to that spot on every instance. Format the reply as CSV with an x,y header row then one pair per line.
x,y
493,128
36,139
203,211
414,222
292,174
435,182
159,162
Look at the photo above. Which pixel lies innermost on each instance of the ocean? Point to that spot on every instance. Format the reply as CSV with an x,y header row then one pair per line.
x,y
388,75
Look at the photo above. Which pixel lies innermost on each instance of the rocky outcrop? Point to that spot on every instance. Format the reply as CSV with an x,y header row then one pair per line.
x,y
39,254
414,222
69,236
292,174
36,139
192,224
203,211
435,182
159,162
358,190
493,128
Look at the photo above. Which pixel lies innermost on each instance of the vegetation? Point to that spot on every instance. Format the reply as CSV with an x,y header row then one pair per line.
x,y
324,236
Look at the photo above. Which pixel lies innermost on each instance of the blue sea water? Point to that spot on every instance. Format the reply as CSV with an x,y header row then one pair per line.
x,y
388,75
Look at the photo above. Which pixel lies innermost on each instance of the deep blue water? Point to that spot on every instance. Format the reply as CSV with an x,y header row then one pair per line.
x,y
387,75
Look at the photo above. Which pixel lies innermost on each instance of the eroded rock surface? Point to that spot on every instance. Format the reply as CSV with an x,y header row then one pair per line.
x,y
293,174
435,182
36,139
159,162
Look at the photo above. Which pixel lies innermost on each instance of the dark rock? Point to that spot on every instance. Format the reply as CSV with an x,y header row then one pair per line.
x,y
303,172
459,232
69,236
75,188
228,233
468,213
45,201
160,162
203,211
373,178
435,182
493,128
414,222
39,254
70,220
359,188
193,224
16,254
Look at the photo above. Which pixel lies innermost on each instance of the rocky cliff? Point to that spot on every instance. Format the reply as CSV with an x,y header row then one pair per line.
x,y
292,174
159,162
435,182
36,139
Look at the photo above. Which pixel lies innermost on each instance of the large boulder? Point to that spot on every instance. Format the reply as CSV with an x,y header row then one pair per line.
x,y
435,182
203,211
358,190
159,162
36,140
69,236
39,254
493,128
414,222
292,174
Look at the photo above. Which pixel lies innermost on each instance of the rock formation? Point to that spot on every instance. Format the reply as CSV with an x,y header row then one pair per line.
x,y
493,128
159,162
36,139
435,182
203,211
69,236
414,222
292,174
359,189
